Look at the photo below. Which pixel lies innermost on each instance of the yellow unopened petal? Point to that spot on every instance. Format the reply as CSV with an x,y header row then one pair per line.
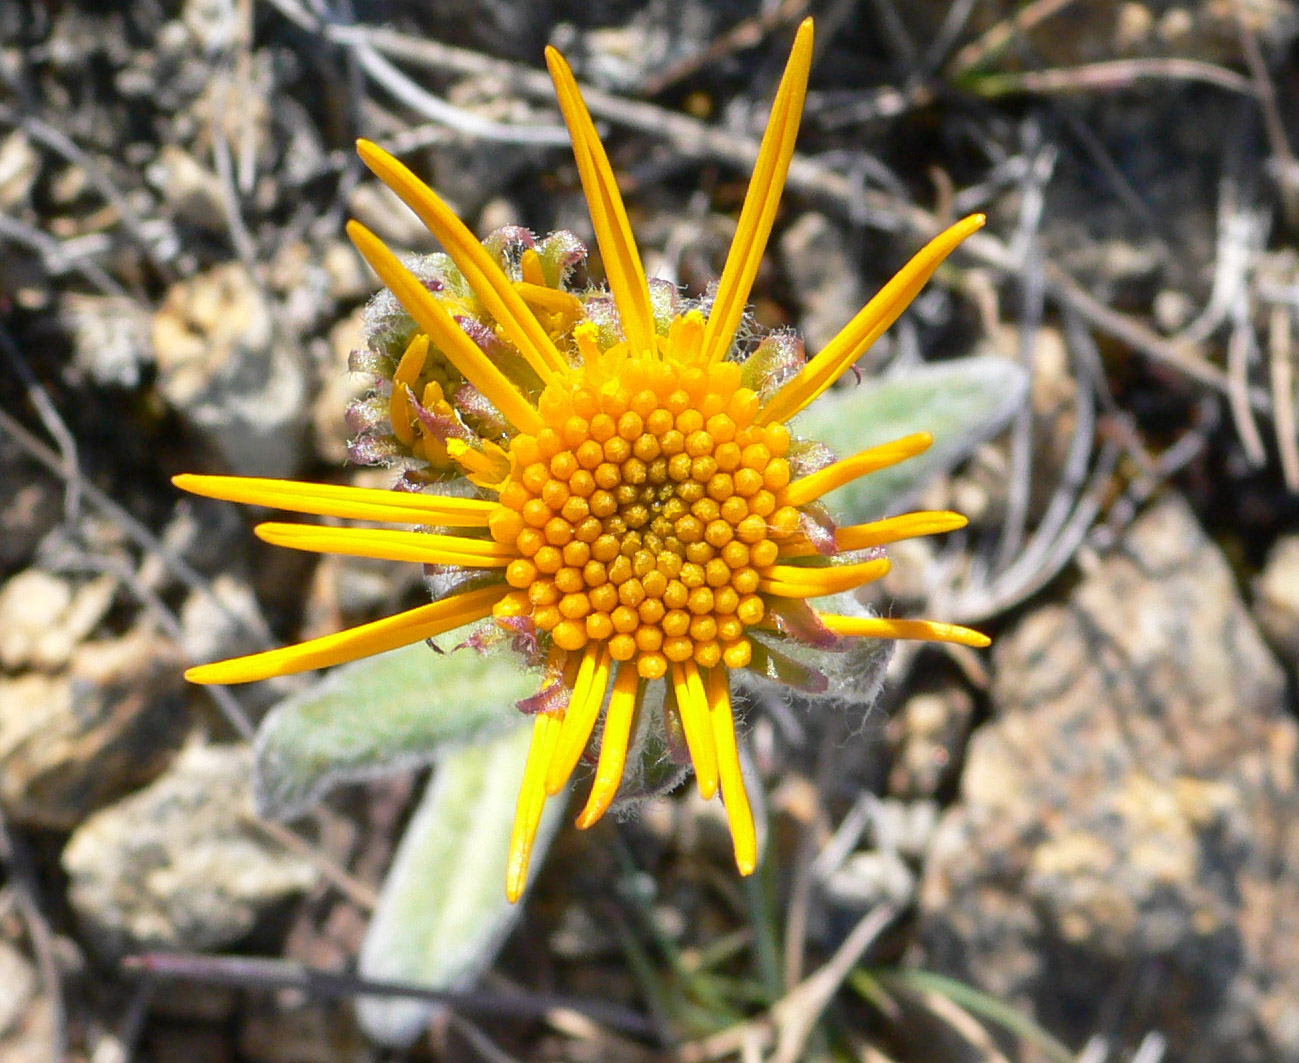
x,y
613,745
388,545
797,581
486,466
441,327
809,488
739,813
489,282
351,503
761,201
622,264
583,711
400,410
869,324
532,800
884,628
414,625
692,704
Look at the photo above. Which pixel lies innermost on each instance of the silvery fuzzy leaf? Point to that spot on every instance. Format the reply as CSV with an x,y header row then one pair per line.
x,y
443,914
961,402
386,713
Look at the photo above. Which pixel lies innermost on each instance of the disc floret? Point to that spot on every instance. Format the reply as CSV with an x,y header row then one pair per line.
x,y
647,513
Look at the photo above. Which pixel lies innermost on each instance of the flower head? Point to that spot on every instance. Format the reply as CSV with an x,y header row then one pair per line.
x,y
640,506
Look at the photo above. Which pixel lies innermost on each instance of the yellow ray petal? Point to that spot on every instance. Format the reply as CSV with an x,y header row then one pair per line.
x,y
797,581
613,745
739,814
761,200
808,488
387,545
692,704
622,264
869,324
532,799
332,500
883,628
433,318
494,289
579,720
881,532
895,529
406,628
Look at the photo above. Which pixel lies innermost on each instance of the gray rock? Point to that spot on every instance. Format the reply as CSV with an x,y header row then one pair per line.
x,y
228,371
1276,599
30,505
74,740
927,735
18,987
179,865
43,617
110,337
1124,853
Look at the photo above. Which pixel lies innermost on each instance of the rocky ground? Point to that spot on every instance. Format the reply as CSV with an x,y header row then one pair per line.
x,y
1080,845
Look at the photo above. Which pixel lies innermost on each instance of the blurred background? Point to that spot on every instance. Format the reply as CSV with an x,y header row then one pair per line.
x,y
1080,845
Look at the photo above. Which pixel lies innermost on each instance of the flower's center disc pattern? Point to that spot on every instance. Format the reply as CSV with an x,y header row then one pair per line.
x,y
645,514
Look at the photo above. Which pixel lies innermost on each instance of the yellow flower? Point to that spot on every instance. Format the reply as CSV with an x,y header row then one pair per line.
x,y
647,507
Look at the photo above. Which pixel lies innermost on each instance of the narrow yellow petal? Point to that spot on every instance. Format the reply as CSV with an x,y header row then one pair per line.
x,y
761,200
622,263
692,704
583,711
875,627
739,814
870,323
387,545
489,282
406,628
809,488
532,800
613,745
351,503
796,581
433,318
895,529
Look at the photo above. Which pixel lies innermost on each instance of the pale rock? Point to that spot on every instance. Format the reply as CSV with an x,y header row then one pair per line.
x,y
192,191
224,365
43,617
1276,598
18,986
180,865
1124,851
110,337
73,741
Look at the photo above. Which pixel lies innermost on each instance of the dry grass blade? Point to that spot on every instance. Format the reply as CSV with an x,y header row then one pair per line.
x,y
1281,367
21,876
787,1024
1241,351
254,972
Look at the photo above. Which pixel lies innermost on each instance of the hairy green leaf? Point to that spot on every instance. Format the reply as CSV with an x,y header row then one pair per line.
x,y
961,403
395,711
443,914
